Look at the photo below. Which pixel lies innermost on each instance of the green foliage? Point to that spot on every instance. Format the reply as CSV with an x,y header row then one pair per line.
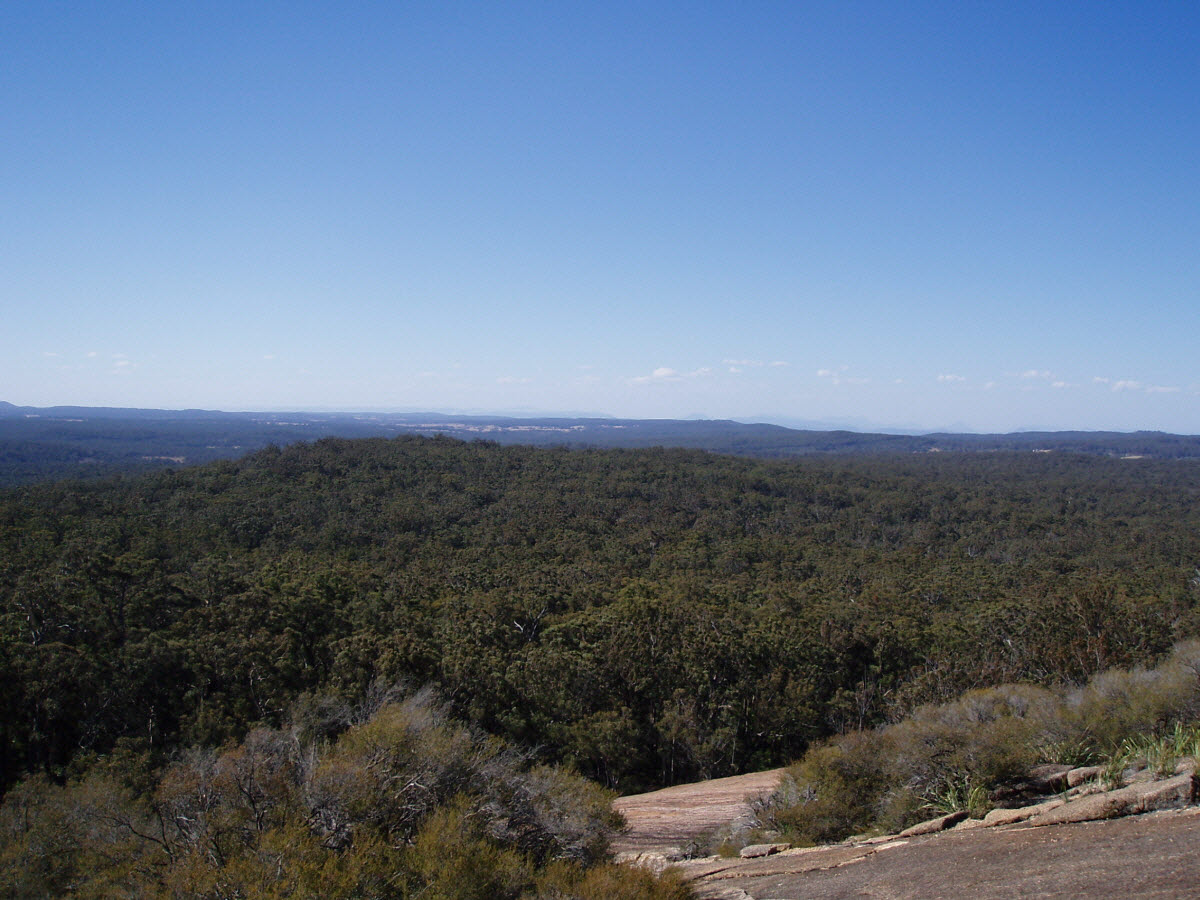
x,y
452,858
1159,753
1118,704
190,660
955,756
404,803
833,791
609,881
941,759
960,796
1077,751
91,838
647,616
951,754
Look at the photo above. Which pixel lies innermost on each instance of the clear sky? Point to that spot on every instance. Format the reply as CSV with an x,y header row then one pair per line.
x,y
972,215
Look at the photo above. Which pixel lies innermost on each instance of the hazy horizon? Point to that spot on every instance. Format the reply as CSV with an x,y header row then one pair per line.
x,y
857,425
919,217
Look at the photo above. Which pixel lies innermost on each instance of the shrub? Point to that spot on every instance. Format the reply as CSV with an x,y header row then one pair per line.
x,y
453,859
832,792
1161,753
1119,704
562,881
552,813
953,756
948,753
405,803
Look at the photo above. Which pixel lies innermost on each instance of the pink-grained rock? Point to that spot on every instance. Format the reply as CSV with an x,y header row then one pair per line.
x,y
1008,816
1082,774
1137,798
941,823
753,851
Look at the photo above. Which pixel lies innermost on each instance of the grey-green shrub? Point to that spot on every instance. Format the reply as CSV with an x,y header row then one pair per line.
x,y
1118,704
954,755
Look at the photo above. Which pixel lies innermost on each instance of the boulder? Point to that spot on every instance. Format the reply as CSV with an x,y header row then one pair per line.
x,y
1048,779
968,824
722,893
1137,798
941,823
1083,774
1038,781
654,860
1008,816
754,851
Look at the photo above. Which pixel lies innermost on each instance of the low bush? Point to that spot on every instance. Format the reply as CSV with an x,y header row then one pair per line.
x,y
405,802
608,881
1118,704
954,756
1159,753
833,791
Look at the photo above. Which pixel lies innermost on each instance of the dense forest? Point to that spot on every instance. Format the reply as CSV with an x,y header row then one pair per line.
x,y
643,617
652,616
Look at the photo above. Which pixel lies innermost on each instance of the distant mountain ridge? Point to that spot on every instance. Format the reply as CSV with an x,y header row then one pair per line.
x,y
37,443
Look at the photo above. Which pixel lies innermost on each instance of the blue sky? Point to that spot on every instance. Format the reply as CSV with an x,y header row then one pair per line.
x,y
980,216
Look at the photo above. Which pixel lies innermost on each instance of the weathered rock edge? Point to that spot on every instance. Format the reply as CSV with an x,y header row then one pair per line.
x,y
1085,800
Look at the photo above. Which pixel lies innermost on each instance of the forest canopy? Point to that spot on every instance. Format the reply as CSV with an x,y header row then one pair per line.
x,y
647,616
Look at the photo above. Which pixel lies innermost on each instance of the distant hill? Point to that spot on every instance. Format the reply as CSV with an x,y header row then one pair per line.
x,y
77,441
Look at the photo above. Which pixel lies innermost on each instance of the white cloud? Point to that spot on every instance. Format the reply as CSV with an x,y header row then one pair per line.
x,y
666,373
1062,384
1132,384
1036,373
950,379
837,376
740,364
513,379
662,373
